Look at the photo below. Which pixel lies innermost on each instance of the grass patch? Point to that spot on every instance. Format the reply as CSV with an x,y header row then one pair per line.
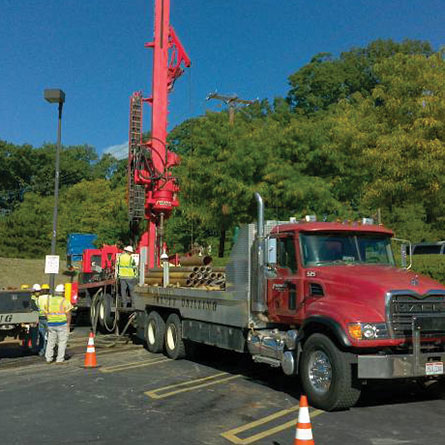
x,y
16,271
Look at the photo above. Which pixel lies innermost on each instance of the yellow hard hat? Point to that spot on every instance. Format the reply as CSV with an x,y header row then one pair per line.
x,y
45,286
24,286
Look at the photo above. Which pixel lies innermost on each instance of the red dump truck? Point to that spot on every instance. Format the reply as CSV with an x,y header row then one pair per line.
x,y
321,300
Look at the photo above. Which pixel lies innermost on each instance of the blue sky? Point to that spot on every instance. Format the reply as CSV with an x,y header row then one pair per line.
x,y
94,51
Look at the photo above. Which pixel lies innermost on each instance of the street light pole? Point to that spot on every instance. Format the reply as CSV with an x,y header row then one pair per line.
x,y
55,96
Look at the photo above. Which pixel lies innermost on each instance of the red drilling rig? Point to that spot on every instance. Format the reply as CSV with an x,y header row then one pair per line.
x,y
152,188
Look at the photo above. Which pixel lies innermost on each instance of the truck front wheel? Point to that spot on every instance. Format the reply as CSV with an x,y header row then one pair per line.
x,y
326,375
174,344
155,332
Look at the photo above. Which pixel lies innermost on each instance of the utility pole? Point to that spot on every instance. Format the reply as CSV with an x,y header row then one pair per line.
x,y
55,96
231,101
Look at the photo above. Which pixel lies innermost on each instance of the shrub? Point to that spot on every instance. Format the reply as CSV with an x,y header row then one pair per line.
x,y
430,265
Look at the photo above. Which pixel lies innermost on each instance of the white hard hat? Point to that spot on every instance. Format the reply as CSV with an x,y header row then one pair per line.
x,y
60,288
129,249
36,287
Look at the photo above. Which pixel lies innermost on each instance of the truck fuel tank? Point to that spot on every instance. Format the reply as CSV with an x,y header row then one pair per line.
x,y
274,347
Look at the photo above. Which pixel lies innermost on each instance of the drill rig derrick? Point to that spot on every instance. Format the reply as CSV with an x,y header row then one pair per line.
x,y
152,189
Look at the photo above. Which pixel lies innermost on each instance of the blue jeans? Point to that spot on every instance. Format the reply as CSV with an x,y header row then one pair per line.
x,y
127,286
43,335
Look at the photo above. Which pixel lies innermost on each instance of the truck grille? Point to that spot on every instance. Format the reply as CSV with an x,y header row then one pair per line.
x,y
404,307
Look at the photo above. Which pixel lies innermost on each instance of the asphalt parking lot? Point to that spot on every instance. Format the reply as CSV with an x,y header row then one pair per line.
x,y
216,398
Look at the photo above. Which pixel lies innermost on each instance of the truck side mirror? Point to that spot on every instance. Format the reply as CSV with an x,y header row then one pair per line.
x,y
403,255
271,251
405,250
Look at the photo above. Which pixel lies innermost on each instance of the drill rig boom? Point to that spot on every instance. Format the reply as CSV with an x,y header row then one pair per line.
x,y
152,188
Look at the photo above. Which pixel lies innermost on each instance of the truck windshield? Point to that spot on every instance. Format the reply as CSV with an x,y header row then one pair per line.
x,y
323,249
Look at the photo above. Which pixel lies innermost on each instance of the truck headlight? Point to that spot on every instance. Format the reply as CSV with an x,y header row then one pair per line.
x,y
367,331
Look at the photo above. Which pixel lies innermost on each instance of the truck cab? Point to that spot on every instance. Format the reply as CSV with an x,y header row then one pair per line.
x,y
338,286
315,261
93,287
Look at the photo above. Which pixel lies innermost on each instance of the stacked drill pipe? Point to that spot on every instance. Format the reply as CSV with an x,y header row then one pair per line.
x,y
189,276
195,260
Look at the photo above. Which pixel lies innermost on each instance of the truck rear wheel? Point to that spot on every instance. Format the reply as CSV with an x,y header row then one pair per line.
x,y
326,375
174,344
93,312
104,314
155,332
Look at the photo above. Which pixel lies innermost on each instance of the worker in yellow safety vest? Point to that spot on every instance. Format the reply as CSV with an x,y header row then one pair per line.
x,y
58,314
127,274
43,322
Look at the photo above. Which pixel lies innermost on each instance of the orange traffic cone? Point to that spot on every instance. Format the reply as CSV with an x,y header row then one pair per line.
x,y
303,434
90,356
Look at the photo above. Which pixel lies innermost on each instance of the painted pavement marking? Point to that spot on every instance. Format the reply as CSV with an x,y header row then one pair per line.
x,y
191,385
132,365
232,435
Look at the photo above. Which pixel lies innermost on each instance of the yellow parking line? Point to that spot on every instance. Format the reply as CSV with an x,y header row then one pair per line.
x,y
77,342
124,367
232,434
154,394
116,350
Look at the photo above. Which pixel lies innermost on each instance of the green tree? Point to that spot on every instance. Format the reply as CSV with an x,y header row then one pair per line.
x,y
325,80
86,207
16,169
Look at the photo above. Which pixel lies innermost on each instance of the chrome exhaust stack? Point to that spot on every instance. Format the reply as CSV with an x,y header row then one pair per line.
x,y
258,278
260,227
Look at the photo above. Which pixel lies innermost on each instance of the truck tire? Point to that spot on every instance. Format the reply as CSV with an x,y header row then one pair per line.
x,y
104,314
174,344
155,332
326,375
93,312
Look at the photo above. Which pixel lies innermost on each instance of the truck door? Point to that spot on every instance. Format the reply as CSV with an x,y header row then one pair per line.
x,y
282,288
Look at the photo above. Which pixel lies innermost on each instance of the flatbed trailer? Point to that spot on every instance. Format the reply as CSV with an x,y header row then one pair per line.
x,y
215,317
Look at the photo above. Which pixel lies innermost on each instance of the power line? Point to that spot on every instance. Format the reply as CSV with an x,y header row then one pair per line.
x,y
232,101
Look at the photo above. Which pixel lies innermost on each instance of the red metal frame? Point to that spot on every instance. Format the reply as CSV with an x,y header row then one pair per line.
x,y
107,257
154,174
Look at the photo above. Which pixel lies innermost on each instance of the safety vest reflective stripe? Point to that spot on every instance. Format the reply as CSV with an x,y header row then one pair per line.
x,y
56,311
126,266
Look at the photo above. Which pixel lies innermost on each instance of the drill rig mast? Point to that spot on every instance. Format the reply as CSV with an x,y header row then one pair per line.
x,y
152,189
